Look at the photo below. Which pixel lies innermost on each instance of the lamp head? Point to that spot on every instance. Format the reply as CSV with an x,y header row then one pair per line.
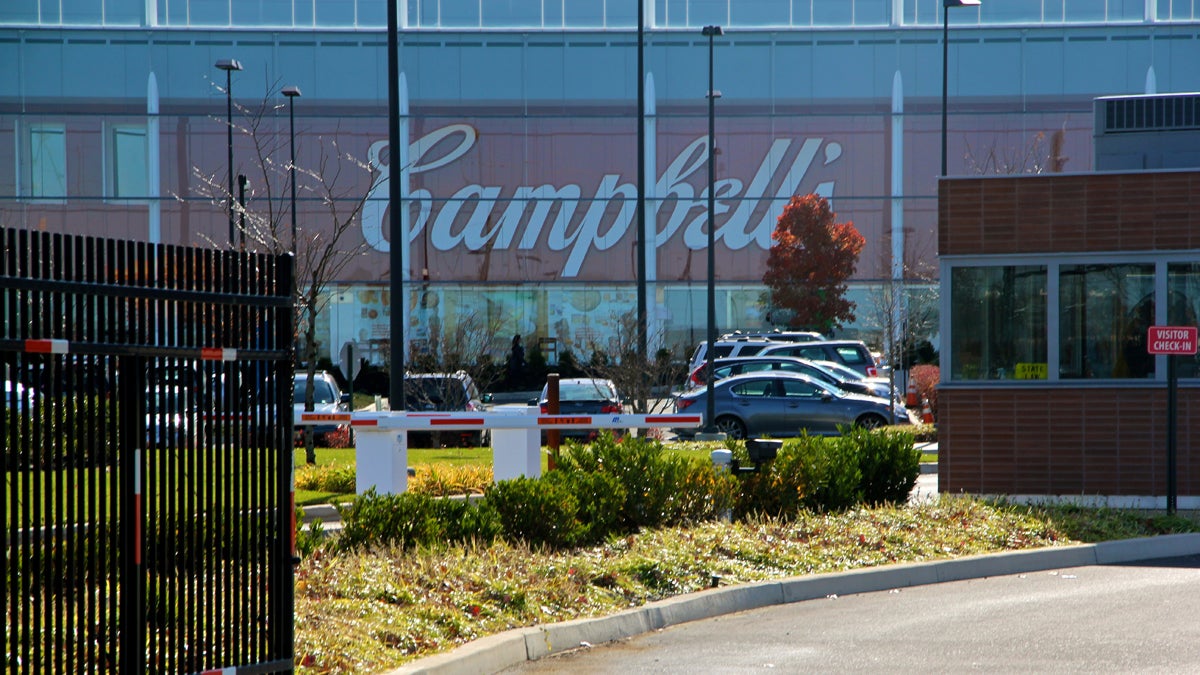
x,y
961,3
712,31
290,91
229,64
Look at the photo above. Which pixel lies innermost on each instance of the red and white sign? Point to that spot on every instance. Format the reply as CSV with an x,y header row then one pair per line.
x,y
1174,340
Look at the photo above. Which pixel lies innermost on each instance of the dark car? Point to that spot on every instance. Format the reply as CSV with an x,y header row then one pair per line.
x,y
444,392
781,404
826,371
584,396
851,353
327,398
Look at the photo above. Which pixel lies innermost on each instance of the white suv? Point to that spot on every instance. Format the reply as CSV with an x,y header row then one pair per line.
x,y
727,348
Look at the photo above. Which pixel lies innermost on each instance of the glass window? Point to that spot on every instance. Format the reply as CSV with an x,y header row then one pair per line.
x,y
129,177
827,13
871,12
708,13
1080,11
82,12
372,14
124,12
584,13
801,389
47,160
756,388
1105,313
998,322
1016,11
207,12
335,13
759,13
1183,287
512,13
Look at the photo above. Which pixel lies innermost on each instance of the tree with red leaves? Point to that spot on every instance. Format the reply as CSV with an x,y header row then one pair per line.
x,y
811,258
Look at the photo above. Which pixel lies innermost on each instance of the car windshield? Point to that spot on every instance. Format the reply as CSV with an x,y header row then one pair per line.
x,y
585,391
440,391
322,392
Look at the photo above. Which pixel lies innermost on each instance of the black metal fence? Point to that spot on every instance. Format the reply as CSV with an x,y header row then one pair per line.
x,y
147,457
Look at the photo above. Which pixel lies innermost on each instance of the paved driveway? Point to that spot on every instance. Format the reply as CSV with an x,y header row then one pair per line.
x,y
1133,618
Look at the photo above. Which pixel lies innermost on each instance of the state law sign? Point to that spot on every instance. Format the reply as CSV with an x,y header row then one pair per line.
x,y
1172,340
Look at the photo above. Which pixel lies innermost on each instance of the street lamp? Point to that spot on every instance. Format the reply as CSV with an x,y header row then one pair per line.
x,y
710,410
292,92
229,65
946,5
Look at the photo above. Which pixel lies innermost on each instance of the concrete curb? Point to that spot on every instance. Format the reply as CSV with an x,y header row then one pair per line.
x,y
497,652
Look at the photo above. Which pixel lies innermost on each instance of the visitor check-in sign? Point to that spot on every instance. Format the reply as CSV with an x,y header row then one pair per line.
x,y
1173,340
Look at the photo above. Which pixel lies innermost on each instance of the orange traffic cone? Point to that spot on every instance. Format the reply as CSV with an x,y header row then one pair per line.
x,y
926,413
910,400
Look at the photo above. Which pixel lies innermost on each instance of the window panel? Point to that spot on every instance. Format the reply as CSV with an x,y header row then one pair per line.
x,y
1078,11
998,322
207,12
129,176
872,12
335,13
124,12
512,13
372,14
832,13
708,13
759,13
621,14
47,161
1183,287
82,12
584,13
1105,313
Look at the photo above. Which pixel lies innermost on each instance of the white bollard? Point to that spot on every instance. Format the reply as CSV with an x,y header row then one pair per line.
x,y
516,452
381,459
722,460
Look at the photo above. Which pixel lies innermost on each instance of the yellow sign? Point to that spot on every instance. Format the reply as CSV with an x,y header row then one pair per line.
x,y
1031,371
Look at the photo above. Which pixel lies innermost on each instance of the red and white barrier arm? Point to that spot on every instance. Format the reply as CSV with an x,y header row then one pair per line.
x,y
496,420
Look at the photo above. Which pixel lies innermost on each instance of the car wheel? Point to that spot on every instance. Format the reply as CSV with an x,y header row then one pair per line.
x,y
731,427
870,421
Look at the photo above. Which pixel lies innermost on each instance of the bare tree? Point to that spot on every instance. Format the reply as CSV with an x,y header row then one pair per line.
x,y
338,180
645,384
1038,156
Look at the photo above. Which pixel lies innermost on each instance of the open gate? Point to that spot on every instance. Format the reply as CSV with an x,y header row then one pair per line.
x,y
147,440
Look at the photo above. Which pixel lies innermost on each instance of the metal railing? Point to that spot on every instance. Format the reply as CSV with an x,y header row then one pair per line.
x,y
147,457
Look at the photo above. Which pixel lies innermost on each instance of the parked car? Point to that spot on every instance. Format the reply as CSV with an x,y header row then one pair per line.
x,y
876,386
781,404
327,398
722,349
584,396
17,396
851,353
776,335
172,416
826,371
442,392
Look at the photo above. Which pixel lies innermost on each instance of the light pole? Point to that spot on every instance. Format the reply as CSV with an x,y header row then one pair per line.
x,y
292,92
242,181
946,5
710,410
229,65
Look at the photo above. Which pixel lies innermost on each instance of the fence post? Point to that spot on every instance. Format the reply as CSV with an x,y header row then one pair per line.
x,y
131,392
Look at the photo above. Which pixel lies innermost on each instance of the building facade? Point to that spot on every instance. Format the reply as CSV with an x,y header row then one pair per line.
x,y
1050,285
519,158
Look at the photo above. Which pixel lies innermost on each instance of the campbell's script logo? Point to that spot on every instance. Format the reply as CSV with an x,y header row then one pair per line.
x,y
498,217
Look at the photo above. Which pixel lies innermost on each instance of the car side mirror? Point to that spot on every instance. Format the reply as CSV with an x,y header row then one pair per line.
x,y
486,398
346,399
826,397
532,401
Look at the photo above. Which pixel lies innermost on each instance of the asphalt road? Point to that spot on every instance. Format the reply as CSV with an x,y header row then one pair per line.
x,y
1135,618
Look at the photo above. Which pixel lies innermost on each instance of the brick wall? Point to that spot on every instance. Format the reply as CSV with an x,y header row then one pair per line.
x,y
1064,441
1069,213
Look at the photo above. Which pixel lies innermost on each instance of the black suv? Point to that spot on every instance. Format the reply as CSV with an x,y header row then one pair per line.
x,y
429,392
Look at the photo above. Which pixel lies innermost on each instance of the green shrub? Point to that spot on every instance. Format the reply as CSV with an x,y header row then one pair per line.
x,y
888,463
326,478
660,488
411,520
828,472
778,488
540,512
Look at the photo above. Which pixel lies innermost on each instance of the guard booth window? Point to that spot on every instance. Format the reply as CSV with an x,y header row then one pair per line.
x,y
998,317
1105,313
1183,286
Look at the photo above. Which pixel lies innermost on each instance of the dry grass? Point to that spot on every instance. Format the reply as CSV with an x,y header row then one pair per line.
x,y
368,612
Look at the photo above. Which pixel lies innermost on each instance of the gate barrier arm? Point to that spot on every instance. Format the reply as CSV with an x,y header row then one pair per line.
x,y
381,455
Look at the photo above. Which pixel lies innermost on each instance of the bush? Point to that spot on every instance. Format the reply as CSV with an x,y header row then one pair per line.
x,y
925,378
828,470
538,511
888,463
660,489
336,479
412,520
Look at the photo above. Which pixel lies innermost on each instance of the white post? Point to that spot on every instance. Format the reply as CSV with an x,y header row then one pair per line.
x,y
381,460
516,452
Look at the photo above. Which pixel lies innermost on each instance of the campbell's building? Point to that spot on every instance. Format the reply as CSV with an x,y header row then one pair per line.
x,y
519,127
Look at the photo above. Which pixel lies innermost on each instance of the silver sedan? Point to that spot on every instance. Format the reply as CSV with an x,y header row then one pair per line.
x,y
781,404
